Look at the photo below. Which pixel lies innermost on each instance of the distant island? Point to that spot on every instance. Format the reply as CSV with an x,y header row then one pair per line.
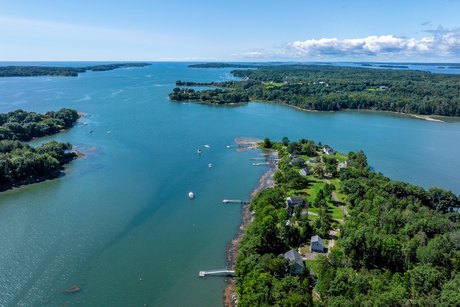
x,y
54,71
333,232
224,65
21,163
334,88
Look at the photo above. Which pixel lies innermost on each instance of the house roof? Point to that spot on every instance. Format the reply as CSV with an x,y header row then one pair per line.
x,y
296,199
317,239
294,256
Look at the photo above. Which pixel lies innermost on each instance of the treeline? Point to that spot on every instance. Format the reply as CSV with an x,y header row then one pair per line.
x,y
23,126
333,88
217,96
23,164
32,71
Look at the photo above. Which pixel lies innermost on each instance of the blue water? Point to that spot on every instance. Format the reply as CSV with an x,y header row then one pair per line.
x,y
120,225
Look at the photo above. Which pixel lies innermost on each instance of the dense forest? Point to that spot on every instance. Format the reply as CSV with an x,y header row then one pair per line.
x,y
399,244
23,164
32,71
216,96
23,126
333,88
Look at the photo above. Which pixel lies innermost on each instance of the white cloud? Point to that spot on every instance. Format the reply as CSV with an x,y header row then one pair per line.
x,y
442,43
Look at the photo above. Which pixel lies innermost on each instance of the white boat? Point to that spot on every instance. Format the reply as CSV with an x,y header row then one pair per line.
x,y
199,151
228,146
109,132
207,146
210,165
191,195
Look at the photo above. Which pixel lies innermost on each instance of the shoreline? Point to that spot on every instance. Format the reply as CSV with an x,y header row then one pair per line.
x,y
266,181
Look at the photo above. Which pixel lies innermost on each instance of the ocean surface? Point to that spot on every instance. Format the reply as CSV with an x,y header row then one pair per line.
x,y
119,224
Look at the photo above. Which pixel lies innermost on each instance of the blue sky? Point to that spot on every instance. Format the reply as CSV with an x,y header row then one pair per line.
x,y
251,30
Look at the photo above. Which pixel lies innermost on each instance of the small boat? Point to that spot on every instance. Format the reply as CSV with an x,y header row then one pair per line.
x,y
72,289
210,165
228,146
91,131
191,195
109,132
207,146
199,151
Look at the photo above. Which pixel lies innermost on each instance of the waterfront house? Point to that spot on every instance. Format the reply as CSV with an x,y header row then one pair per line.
x,y
341,166
293,201
328,150
296,265
317,244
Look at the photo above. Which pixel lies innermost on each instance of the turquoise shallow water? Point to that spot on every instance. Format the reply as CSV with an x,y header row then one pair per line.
x,y
120,225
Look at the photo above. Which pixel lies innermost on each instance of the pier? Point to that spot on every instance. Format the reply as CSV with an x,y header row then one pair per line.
x,y
223,272
235,201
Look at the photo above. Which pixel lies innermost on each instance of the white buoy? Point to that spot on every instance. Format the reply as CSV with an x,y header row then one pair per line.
x,y
191,195
210,165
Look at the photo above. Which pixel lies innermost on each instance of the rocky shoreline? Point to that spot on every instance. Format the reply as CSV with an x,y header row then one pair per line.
x,y
266,181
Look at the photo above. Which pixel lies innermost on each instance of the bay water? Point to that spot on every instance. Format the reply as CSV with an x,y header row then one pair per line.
x,y
120,225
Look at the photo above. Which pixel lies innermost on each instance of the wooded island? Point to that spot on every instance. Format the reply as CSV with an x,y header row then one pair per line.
x,y
334,88
21,163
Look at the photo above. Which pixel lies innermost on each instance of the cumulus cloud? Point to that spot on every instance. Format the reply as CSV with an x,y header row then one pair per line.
x,y
441,42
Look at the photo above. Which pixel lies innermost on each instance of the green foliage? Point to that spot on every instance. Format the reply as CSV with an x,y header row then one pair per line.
x,y
21,163
267,143
23,126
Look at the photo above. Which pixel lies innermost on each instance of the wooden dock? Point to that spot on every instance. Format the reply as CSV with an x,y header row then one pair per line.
x,y
223,272
234,201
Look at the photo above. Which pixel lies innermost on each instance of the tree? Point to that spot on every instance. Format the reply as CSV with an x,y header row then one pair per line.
x,y
267,143
285,141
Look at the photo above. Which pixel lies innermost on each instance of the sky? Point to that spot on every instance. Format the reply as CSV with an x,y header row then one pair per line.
x,y
236,30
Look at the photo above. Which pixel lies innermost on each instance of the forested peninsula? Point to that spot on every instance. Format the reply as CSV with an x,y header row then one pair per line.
x,y
54,71
333,88
333,232
21,163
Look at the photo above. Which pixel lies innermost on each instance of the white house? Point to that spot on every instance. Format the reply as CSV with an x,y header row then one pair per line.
x,y
317,244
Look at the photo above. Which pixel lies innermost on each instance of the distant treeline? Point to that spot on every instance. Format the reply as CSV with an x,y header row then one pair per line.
x,y
23,164
223,65
333,88
31,71
23,126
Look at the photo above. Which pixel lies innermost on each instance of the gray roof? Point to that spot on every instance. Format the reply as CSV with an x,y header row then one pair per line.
x,y
294,256
296,199
317,239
